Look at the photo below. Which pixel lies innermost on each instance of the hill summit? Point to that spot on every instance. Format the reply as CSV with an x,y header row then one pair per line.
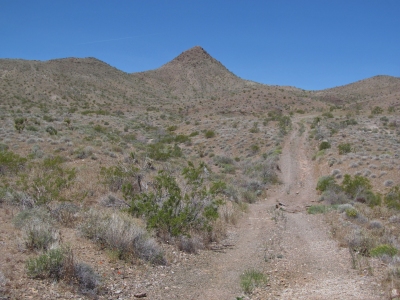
x,y
193,73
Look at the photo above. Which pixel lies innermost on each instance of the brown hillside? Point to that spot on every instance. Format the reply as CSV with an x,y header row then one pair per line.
x,y
377,90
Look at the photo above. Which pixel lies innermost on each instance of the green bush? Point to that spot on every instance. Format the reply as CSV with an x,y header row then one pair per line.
x,y
11,163
51,130
351,212
181,138
170,211
116,176
383,249
59,264
377,110
356,186
252,279
318,209
172,128
47,180
47,265
324,145
162,152
19,124
327,115
392,198
344,148
209,134
324,183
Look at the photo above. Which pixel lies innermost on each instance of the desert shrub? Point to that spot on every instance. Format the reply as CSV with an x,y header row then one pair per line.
x,y
83,153
65,213
249,196
327,115
375,224
324,183
59,264
19,124
47,265
17,198
100,129
361,241
87,279
194,133
356,185
172,128
343,207
255,128
370,198
161,152
351,212
51,130
377,110
318,209
392,198
31,128
252,279
254,148
334,196
284,124
348,122
189,244
11,163
112,201
47,180
209,134
181,138
116,176
38,229
121,233
344,148
26,216
383,249
171,211
324,145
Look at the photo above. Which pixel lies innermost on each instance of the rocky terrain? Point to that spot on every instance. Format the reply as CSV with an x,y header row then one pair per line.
x,y
305,184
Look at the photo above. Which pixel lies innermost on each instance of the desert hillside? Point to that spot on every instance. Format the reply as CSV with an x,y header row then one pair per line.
x,y
188,182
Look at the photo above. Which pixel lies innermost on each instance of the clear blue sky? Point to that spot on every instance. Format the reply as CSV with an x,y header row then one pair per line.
x,y
310,44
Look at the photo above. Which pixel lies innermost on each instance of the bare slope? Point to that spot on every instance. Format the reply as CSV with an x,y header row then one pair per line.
x,y
377,90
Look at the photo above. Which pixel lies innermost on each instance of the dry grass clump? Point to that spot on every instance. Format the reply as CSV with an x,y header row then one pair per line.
x,y
121,233
39,232
59,264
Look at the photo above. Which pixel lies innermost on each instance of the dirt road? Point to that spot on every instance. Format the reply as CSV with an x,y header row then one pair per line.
x,y
292,247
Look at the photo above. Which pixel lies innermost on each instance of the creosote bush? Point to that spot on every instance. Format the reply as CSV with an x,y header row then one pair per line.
x,y
344,148
173,212
324,145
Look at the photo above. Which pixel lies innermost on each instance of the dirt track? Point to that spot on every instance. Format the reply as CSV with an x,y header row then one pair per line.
x,y
291,246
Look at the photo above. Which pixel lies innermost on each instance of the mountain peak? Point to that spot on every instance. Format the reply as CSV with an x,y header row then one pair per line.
x,y
193,57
